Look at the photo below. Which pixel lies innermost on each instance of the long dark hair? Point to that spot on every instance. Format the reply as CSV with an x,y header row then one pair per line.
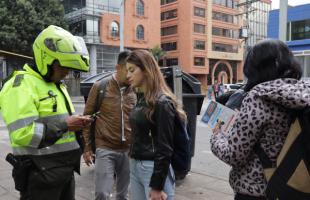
x,y
268,60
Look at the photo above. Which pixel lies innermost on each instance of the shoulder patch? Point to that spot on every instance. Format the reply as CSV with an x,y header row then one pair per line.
x,y
18,79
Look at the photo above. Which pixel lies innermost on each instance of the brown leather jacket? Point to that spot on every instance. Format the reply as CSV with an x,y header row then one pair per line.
x,y
108,128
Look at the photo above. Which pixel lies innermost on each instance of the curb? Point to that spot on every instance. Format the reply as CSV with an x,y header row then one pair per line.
x,y
3,128
78,102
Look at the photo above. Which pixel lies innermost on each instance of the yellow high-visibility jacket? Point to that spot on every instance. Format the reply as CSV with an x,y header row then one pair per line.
x,y
35,111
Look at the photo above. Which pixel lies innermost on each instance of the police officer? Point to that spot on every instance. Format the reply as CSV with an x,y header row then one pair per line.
x,y
39,115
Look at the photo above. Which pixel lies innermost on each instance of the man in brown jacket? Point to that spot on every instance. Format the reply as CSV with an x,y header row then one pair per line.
x,y
112,133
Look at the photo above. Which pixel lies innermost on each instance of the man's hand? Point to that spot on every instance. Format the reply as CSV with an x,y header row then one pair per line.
x,y
78,122
157,195
88,157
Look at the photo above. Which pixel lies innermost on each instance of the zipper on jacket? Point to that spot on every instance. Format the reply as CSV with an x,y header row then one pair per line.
x,y
122,111
122,89
150,134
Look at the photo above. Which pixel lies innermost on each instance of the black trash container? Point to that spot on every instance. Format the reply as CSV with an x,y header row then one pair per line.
x,y
87,83
192,97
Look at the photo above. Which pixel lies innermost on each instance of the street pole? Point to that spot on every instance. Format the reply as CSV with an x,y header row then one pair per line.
x,y
121,36
283,20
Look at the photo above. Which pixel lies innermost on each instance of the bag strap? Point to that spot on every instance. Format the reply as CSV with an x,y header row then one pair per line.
x,y
277,185
100,96
101,90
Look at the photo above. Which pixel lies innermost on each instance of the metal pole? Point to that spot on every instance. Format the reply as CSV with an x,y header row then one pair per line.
x,y
177,82
283,20
121,37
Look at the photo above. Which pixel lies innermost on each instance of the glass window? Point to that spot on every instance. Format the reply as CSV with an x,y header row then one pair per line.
x,y
114,29
73,5
226,3
92,27
140,32
171,61
108,5
78,28
225,32
199,61
163,2
200,12
169,46
225,48
300,30
170,30
198,44
140,8
224,17
199,28
168,15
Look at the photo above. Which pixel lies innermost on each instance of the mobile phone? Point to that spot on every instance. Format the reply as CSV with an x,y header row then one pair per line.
x,y
93,116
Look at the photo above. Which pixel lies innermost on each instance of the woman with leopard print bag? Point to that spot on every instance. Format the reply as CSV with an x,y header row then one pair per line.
x,y
273,89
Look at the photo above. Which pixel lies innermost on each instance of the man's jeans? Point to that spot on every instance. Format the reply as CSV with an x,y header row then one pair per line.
x,y
140,177
109,163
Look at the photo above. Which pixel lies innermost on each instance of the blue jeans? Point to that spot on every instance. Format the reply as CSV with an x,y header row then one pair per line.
x,y
140,177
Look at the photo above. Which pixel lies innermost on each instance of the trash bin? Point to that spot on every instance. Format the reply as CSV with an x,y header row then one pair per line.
x,y
87,83
191,95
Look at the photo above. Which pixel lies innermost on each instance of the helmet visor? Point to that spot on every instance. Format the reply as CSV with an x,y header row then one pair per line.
x,y
75,45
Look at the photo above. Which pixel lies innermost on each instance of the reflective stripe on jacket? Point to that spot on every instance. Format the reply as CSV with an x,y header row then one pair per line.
x,y
28,103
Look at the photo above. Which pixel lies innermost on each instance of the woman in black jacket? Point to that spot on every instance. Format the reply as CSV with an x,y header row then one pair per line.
x,y
152,123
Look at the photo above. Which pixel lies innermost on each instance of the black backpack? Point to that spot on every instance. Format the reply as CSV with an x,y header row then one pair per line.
x,y
181,157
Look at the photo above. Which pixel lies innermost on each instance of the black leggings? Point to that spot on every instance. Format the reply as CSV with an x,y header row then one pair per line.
x,y
239,196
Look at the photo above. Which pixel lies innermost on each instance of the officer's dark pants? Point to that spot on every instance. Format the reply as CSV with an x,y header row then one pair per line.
x,y
51,184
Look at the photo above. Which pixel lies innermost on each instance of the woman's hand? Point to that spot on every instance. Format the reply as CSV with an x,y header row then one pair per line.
x,y
217,129
157,195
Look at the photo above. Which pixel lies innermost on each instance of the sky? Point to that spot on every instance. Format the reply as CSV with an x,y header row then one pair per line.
x,y
275,3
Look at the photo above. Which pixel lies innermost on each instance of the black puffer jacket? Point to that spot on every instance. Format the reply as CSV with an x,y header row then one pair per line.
x,y
153,140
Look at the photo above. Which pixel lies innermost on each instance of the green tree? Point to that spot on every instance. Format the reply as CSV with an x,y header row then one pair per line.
x,y
158,53
22,20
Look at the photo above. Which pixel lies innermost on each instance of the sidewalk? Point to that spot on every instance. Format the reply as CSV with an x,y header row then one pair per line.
x,y
78,99
200,184
196,186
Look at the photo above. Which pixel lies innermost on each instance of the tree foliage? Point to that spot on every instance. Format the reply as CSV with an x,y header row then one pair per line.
x,y
22,20
158,53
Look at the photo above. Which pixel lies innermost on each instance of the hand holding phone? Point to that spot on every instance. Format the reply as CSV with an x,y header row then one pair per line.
x,y
95,115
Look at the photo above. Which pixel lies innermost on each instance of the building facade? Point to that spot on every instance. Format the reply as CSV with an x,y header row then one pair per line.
x,y
98,22
298,33
257,21
202,37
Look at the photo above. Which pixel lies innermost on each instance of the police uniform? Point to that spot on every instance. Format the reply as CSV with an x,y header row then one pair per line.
x,y
34,110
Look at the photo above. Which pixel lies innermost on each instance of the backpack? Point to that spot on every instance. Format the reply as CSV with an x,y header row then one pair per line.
x,y
290,178
181,157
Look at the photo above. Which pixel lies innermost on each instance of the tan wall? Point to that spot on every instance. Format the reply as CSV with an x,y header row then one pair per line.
x,y
225,40
185,37
150,21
